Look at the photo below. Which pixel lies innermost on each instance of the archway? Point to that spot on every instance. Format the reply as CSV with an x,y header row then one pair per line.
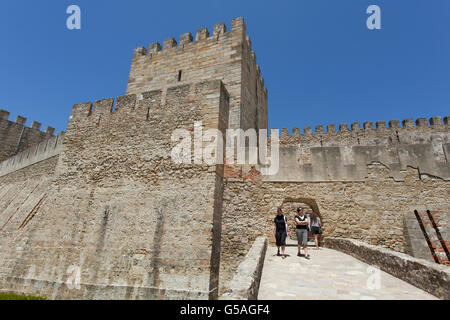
x,y
289,207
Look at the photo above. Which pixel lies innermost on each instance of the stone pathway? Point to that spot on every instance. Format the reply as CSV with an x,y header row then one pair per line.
x,y
329,274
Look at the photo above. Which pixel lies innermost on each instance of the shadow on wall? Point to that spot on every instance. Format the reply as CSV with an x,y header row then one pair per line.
x,y
289,207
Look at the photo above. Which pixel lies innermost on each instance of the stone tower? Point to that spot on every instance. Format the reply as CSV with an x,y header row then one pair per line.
x,y
225,56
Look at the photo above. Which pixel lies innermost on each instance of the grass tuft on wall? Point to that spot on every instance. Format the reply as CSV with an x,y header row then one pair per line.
x,y
16,296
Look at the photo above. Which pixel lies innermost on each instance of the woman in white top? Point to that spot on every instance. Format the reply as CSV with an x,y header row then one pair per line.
x,y
316,225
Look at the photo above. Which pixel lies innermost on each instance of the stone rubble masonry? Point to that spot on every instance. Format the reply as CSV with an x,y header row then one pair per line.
x,y
38,170
39,152
431,277
224,55
106,196
371,210
137,225
344,155
423,131
245,283
16,137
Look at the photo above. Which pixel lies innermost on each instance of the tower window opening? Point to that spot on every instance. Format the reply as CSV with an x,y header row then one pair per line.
x,y
179,75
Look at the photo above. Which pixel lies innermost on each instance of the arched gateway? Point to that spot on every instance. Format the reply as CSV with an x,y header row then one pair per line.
x,y
289,207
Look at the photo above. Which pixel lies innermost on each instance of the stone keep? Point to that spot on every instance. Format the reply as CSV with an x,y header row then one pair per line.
x,y
226,56
102,212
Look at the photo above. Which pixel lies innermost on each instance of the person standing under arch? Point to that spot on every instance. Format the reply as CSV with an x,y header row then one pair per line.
x,y
316,228
302,223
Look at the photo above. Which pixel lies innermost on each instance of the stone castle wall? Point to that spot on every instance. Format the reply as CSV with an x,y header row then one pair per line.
x,y
371,210
434,135
46,149
361,182
135,223
16,137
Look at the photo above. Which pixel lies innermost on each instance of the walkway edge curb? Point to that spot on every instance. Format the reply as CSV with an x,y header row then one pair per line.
x,y
245,283
430,277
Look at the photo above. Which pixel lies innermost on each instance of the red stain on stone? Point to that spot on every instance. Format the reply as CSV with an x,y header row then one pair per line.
x,y
237,173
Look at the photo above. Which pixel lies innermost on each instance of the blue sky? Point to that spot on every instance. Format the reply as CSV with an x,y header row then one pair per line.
x,y
320,63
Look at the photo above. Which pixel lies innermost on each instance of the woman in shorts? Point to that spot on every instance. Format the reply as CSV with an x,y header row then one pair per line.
x,y
315,228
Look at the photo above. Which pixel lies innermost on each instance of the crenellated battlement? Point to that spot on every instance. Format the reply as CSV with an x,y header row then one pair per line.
x,y
20,121
15,136
342,154
150,111
113,106
395,130
202,38
186,40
